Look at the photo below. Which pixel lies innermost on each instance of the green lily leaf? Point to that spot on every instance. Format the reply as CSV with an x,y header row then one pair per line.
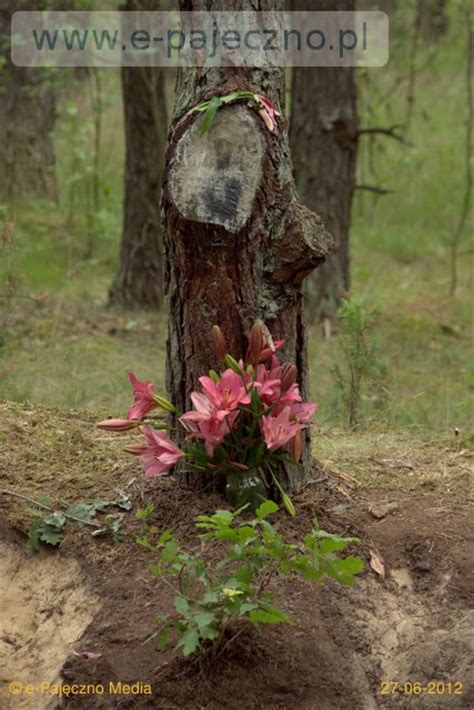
x,y
210,114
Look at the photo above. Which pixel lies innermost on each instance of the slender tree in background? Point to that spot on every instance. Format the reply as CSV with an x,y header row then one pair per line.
x,y
139,279
323,138
412,72
466,211
434,20
238,243
27,116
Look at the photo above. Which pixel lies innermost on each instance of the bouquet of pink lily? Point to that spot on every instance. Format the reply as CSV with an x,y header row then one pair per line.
x,y
246,420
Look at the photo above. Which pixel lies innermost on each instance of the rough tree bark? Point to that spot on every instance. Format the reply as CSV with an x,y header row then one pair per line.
x,y
139,279
238,243
27,116
323,139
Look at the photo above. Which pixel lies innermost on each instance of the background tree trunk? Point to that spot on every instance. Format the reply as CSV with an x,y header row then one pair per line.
x,y
238,244
139,279
27,116
434,20
323,138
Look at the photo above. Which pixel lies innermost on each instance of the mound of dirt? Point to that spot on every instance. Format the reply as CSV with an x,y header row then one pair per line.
x,y
45,606
407,621
412,626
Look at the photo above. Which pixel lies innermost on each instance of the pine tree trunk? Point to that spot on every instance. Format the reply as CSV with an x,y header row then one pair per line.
x,y
323,138
238,244
27,116
139,279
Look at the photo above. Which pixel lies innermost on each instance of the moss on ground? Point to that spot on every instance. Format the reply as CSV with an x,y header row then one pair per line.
x,y
47,452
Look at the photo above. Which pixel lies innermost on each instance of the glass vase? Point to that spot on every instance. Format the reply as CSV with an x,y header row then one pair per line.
x,y
245,488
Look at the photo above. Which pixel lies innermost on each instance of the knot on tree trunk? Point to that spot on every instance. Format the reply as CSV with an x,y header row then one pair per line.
x,y
304,246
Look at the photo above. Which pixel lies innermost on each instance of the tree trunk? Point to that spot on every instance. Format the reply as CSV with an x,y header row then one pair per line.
x,y
238,244
27,116
139,279
434,20
323,140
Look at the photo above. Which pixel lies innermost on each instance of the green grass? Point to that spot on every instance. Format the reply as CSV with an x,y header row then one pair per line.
x,y
68,350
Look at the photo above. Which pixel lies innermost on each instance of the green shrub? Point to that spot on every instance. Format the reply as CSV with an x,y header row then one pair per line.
x,y
361,371
216,602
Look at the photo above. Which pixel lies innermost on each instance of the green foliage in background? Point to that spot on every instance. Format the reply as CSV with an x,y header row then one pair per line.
x,y
62,346
359,372
90,196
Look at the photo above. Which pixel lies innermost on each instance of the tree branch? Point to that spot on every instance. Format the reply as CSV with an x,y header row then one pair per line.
x,y
390,131
374,188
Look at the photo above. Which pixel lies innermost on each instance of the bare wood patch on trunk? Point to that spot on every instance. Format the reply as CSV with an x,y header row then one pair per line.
x,y
214,177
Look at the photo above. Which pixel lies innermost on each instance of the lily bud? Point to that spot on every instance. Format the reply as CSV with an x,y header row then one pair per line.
x,y
265,355
164,404
271,347
255,343
295,447
220,346
118,424
135,449
233,364
288,503
288,376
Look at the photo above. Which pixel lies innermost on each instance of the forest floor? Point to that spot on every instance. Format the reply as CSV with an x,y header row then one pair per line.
x,y
407,618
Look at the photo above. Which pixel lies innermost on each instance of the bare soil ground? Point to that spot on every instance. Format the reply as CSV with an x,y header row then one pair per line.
x,y
407,620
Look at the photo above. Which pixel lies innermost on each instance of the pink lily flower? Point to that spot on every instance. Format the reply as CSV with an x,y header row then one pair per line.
x,y
278,431
291,396
303,412
143,394
160,454
268,111
275,367
204,409
190,422
212,428
226,394
202,404
268,389
214,431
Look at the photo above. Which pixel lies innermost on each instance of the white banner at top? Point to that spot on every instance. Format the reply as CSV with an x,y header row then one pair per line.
x,y
200,39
